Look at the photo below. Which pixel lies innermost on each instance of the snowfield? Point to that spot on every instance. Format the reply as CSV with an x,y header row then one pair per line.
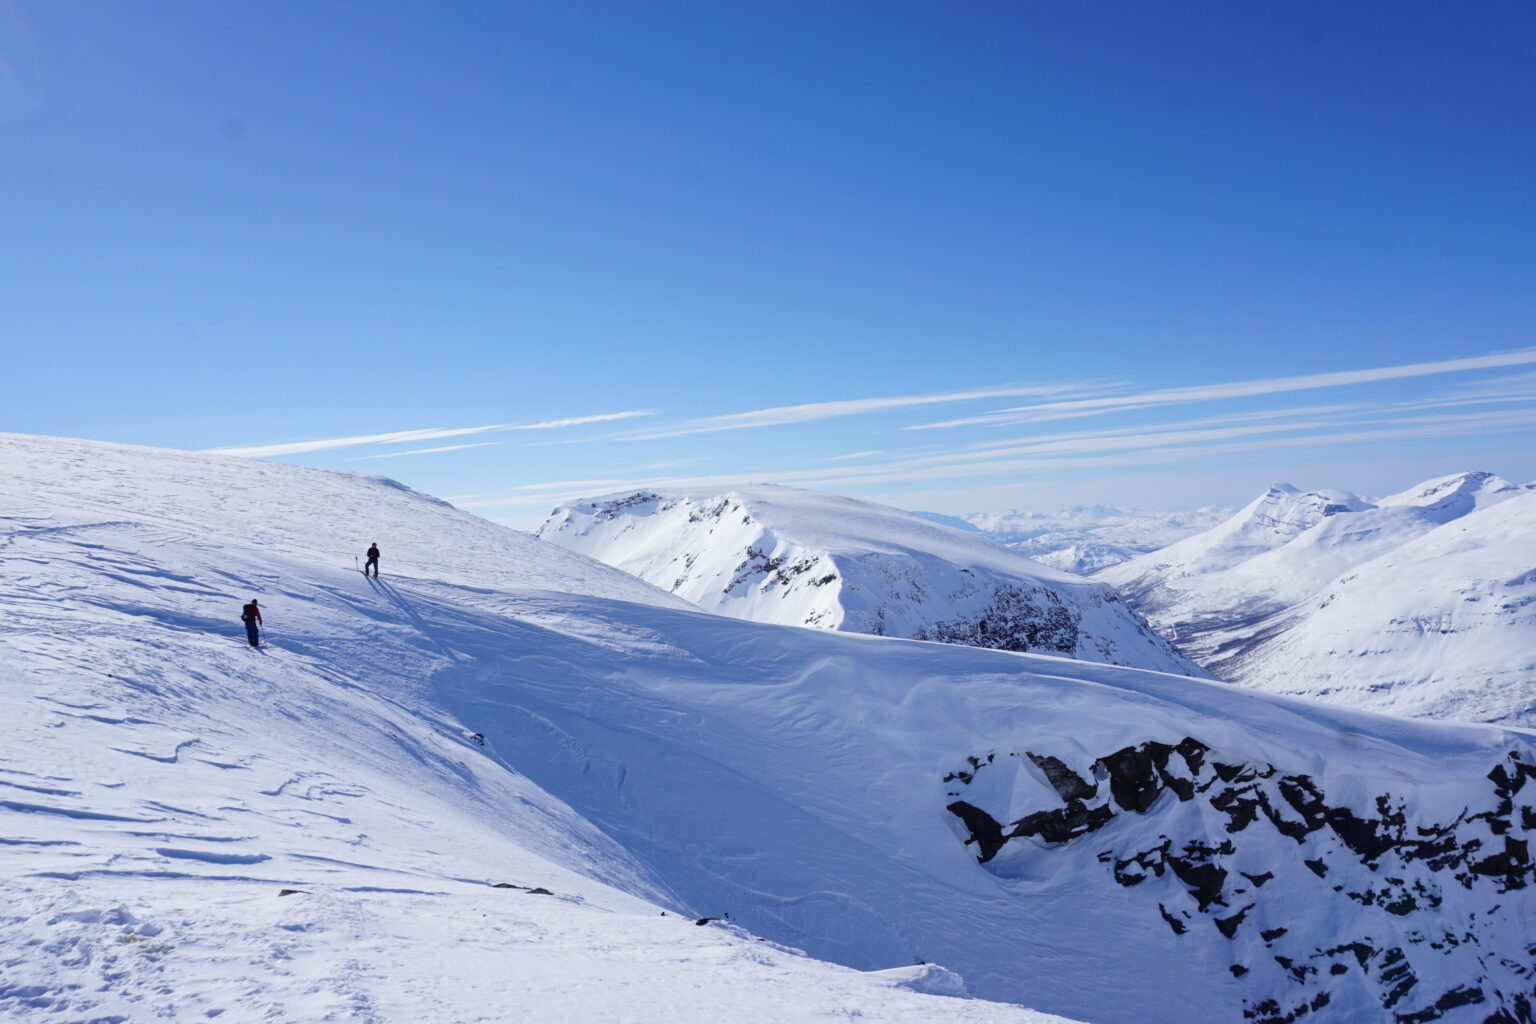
x,y
803,558
1106,843
1423,603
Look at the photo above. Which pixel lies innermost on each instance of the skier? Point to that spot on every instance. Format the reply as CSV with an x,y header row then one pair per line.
x,y
373,560
251,616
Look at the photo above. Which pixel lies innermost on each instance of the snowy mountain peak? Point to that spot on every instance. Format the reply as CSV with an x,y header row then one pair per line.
x,y
1322,593
1450,497
1287,510
804,558
1271,520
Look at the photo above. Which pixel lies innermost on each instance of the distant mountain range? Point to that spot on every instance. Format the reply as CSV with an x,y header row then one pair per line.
x,y
1084,539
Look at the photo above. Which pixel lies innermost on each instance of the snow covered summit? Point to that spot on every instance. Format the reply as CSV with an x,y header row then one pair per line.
x,y
480,783
796,557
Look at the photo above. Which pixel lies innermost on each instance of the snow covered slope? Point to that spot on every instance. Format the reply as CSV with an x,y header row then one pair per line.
x,y
1112,844
1443,633
1443,625
803,558
163,787
1087,538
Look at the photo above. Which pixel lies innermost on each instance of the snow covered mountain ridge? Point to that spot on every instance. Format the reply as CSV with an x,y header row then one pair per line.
x,y
1116,845
1423,602
796,557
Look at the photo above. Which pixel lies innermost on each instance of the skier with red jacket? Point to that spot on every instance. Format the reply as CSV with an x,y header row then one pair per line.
x,y
251,616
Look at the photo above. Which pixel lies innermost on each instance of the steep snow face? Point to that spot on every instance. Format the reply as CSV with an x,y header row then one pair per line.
x,y
1084,539
795,557
310,831
1239,599
1117,845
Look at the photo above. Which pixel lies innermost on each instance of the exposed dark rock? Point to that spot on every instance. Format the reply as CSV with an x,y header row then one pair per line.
x,y
610,509
986,833
1067,783
1178,926
1464,995
1062,824
1198,870
1373,853
1133,779
1016,619
1269,1011
1228,925
1395,971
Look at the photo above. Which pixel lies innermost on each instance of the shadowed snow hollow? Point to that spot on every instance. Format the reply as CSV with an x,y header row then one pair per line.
x,y
803,558
1115,845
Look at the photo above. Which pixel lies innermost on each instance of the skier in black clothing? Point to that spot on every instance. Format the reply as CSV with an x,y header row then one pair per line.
x,y
251,616
373,560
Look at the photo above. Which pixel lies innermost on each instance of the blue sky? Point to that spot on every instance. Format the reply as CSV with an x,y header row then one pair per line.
x,y
548,249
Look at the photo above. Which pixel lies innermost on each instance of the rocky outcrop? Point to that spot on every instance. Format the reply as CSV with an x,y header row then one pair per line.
x,y
1395,906
1014,619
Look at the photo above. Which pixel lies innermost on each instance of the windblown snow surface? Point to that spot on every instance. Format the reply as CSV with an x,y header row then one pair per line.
x,y
1111,844
1422,603
804,558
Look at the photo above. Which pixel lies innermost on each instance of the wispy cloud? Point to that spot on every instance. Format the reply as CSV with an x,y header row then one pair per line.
x,y
673,463
576,421
783,414
1236,389
430,451
261,451
1144,446
855,455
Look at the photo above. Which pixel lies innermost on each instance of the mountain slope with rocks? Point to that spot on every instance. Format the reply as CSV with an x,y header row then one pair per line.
x,y
795,557
481,790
